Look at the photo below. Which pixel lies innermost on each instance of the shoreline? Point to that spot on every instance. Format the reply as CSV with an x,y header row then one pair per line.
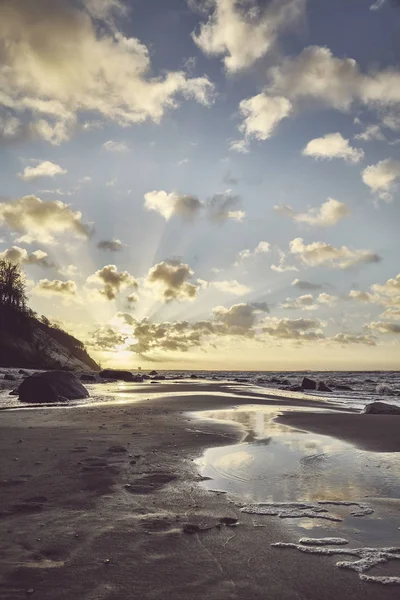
x,y
94,501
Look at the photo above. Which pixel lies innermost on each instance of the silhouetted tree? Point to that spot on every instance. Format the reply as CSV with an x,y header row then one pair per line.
x,y
12,286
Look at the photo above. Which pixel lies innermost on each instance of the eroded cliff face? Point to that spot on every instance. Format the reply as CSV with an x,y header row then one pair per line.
x,y
44,348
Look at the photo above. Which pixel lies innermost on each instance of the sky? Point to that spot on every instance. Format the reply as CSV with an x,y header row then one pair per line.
x,y
206,184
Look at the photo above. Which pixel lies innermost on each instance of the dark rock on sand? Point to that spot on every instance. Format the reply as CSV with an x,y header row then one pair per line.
x,y
51,386
295,388
14,392
115,374
10,377
308,384
23,372
88,377
322,387
381,408
153,373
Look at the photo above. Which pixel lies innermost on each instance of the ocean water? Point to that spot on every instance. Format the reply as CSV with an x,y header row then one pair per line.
x,y
365,386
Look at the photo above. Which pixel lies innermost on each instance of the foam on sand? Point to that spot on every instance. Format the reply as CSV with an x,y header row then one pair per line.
x,y
328,541
314,510
367,557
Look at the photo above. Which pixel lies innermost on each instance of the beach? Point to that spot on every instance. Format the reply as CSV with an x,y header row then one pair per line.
x,y
105,501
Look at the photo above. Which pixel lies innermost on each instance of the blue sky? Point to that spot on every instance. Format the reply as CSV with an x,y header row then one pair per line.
x,y
237,162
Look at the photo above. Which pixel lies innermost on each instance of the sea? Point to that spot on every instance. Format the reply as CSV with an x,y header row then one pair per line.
x,y
352,389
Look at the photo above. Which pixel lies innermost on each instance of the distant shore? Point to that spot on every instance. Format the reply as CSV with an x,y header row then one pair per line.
x,y
96,501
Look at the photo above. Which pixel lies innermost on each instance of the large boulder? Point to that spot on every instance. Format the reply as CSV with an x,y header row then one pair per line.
x,y
116,374
308,384
322,387
381,408
153,373
51,386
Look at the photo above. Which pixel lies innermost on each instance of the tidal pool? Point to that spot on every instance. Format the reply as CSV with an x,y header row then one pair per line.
x,y
275,463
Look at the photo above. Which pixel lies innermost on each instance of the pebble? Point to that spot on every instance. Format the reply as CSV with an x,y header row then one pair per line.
x,y
30,591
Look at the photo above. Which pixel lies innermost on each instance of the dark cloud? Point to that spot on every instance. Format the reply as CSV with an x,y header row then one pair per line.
x,y
111,245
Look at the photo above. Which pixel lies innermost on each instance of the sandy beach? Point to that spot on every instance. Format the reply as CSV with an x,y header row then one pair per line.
x,y
105,502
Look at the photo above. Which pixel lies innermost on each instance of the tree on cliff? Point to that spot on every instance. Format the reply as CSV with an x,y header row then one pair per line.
x,y
12,286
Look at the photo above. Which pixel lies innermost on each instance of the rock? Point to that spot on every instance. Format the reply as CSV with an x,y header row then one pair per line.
x,y
160,377
308,384
88,377
322,387
115,374
193,376
295,388
381,408
153,373
138,378
14,392
23,372
51,386
9,377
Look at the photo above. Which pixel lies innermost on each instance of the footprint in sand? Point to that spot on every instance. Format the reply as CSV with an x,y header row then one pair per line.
x,y
150,483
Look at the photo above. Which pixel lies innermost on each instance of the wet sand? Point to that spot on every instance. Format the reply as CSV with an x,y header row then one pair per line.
x,y
95,499
377,433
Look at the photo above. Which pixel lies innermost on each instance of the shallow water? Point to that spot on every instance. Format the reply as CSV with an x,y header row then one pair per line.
x,y
275,463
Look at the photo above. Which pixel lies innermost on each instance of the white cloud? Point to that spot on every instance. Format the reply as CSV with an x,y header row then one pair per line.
x,y
387,294
241,32
382,177
55,288
384,327
306,285
230,287
261,115
282,267
21,256
391,288
68,270
60,61
112,281
261,248
298,330
239,319
348,338
333,145
327,299
44,169
371,132
305,302
169,205
377,5
172,279
337,82
240,146
111,146
222,207
328,214
41,220
323,254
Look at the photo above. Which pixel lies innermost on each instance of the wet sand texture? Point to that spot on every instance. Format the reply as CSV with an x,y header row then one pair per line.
x,y
103,503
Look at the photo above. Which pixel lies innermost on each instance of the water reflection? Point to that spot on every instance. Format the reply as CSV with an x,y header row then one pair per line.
x,y
276,463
